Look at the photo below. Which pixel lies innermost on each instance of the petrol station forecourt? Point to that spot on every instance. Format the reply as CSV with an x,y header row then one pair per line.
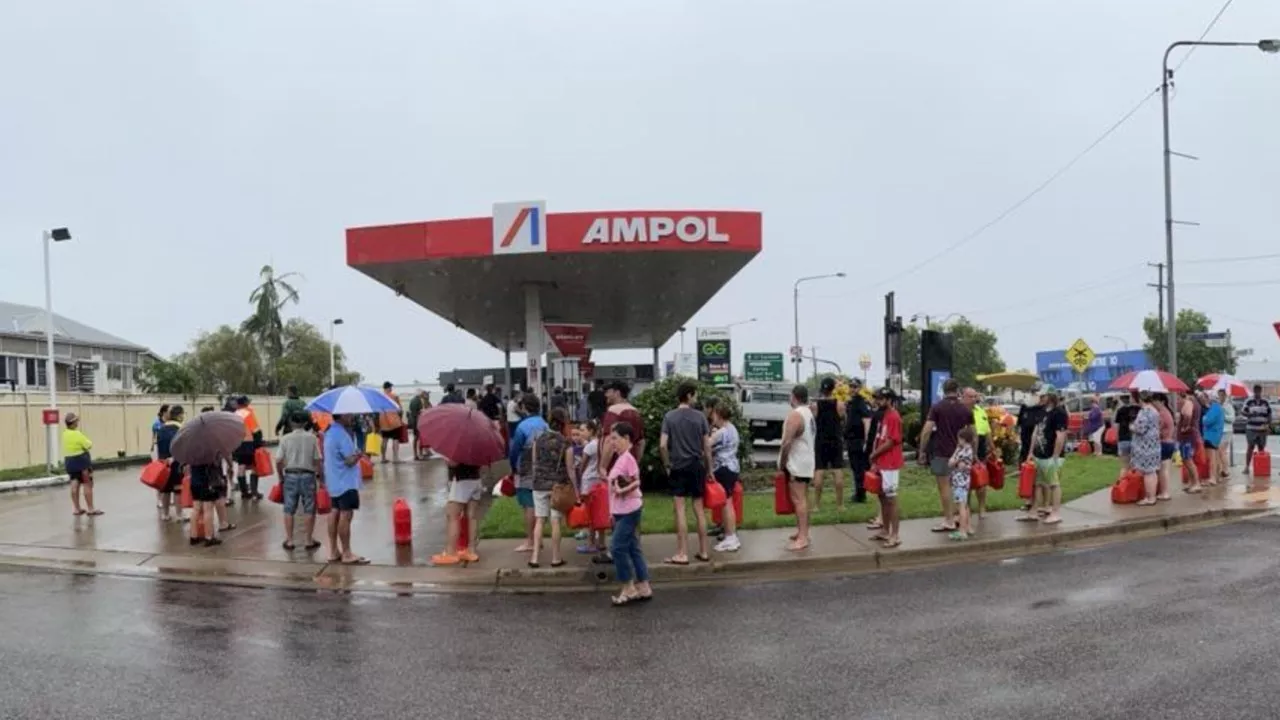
x,y
628,279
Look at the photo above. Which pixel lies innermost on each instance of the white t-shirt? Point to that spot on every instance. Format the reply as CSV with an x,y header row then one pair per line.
x,y
800,461
590,471
513,414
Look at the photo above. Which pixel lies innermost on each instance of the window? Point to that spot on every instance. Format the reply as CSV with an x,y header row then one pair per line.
x,y
8,370
115,372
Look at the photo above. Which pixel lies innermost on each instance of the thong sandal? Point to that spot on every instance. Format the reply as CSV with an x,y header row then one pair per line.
x,y
873,525
942,528
673,561
702,558
623,599
357,561
889,544
94,512
880,537
78,513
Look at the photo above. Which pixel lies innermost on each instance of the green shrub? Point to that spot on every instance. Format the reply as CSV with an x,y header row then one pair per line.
x,y
660,398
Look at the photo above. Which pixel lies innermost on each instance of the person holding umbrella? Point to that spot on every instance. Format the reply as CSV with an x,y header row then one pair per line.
x,y
204,444
471,441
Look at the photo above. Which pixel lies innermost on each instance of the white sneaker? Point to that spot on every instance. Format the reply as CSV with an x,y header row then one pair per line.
x,y
729,544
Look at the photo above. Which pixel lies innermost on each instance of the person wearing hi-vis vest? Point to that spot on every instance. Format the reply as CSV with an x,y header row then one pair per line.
x,y
246,476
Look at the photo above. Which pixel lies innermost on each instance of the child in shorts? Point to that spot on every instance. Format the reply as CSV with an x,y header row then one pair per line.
x,y
961,465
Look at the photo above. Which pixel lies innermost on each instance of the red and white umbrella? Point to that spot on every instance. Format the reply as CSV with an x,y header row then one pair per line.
x,y
1149,380
1221,381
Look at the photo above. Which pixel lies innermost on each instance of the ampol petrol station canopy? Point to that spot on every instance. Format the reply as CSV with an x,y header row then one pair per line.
x,y
635,276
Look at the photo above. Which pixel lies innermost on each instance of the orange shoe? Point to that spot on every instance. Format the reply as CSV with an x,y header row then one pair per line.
x,y
468,556
445,559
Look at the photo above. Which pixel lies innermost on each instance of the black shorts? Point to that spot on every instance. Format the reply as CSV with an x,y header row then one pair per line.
x,y
728,479
1166,450
830,456
348,501
391,434
244,454
1210,446
688,482
79,467
797,478
174,483
205,492
984,447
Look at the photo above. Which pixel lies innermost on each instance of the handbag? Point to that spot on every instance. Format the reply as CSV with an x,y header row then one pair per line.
x,y
563,498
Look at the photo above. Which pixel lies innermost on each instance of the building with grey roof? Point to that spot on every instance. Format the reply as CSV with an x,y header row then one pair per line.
x,y
86,359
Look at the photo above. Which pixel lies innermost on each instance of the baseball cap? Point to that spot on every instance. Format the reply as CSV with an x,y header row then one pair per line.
x,y
885,392
72,418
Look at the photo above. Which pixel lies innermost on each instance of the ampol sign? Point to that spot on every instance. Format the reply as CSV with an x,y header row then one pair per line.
x,y
689,229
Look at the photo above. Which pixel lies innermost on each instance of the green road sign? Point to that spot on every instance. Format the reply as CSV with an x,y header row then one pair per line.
x,y
763,367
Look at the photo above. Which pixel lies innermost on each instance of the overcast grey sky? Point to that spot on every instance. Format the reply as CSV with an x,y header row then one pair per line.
x,y
186,143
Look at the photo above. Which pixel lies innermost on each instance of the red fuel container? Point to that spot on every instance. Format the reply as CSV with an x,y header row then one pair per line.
x,y
1262,464
1027,480
782,504
402,522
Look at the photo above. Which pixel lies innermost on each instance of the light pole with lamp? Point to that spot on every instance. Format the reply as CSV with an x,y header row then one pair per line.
x,y
1120,340
682,339
795,306
928,319
1166,80
50,374
333,357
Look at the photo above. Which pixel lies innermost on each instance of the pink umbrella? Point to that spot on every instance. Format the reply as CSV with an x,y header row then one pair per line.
x,y
1222,381
461,434
1149,380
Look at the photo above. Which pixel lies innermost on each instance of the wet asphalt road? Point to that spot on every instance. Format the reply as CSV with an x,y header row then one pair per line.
x,y
1183,626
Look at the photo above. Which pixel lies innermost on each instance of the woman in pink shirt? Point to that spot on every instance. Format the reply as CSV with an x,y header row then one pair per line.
x,y
1167,445
627,505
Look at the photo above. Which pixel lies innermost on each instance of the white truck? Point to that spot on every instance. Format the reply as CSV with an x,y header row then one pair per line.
x,y
764,407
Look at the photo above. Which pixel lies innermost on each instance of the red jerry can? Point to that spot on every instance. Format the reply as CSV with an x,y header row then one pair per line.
x,y
598,503
464,531
995,469
717,514
402,522
1262,464
1202,462
1084,448
1027,480
782,504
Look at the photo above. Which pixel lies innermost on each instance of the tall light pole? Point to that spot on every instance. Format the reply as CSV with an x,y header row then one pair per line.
x,y
795,306
333,359
682,339
50,373
1166,80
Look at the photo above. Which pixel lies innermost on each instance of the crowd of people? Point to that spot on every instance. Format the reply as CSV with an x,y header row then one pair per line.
x,y
1159,432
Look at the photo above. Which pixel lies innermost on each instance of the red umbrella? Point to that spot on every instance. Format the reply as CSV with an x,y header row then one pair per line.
x,y
1222,381
462,434
1150,380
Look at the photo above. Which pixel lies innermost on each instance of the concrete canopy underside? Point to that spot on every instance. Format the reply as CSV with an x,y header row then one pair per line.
x,y
631,300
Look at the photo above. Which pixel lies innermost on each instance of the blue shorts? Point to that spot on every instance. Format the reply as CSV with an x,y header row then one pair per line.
x,y
1166,450
299,488
1188,451
524,496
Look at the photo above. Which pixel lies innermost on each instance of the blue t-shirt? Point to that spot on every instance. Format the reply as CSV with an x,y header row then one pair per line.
x,y
338,476
164,438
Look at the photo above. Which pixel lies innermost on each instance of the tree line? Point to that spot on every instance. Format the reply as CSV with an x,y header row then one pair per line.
x,y
263,355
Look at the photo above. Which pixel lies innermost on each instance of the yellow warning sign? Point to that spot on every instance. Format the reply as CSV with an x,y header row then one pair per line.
x,y
1080,356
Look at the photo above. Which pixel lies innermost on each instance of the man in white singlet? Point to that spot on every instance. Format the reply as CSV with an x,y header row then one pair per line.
x,y
797,460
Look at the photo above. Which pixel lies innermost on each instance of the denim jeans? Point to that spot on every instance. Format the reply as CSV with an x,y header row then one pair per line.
x,y
628,560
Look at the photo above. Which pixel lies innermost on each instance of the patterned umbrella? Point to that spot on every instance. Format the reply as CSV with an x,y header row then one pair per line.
x,y
208,438
1149,380
1222,381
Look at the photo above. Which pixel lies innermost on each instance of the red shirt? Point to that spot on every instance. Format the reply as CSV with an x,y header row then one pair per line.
x,y
890,429
631,416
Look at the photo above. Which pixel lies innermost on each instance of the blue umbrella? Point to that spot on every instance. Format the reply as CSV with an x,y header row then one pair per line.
x,y
353,400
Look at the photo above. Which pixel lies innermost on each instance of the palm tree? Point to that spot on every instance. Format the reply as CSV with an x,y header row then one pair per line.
x,y
265,324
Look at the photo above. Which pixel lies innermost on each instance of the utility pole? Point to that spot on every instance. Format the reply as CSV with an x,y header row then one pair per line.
x,y
1159,286
814,350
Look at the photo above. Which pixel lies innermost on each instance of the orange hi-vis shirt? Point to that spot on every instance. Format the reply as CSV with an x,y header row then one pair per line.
x,y
250,422
391,419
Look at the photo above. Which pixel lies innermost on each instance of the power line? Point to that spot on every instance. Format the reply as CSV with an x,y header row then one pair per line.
x,y
1075,308
973,235
1238,258
1232,283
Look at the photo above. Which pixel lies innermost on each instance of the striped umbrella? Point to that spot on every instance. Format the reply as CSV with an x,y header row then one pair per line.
x,y
1221,381
353,400
1149,380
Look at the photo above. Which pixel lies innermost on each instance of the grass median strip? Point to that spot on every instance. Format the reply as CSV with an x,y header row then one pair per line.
x,y
917,493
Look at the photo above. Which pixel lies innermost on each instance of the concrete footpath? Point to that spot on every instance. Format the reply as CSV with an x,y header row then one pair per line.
x,y
37,530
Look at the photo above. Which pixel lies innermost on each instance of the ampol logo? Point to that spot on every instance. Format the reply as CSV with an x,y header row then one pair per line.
x,y
519,227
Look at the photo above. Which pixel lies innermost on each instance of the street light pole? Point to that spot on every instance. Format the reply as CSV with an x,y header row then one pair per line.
x,y
333,358
795,307
50,373
1166,78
